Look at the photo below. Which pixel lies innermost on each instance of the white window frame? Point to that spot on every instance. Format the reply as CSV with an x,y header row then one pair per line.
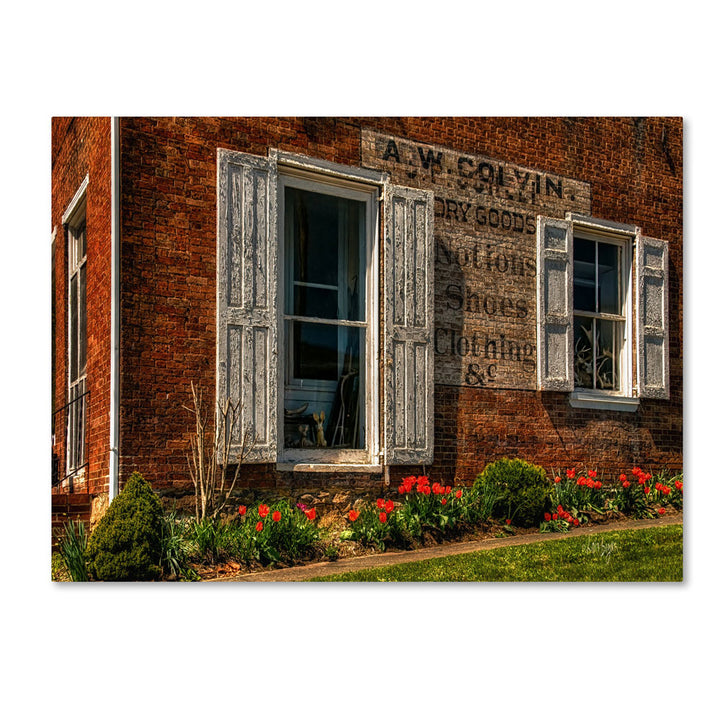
x,y
625,237
312,459
75,218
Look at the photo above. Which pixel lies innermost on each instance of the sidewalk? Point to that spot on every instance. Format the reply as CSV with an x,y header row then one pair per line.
x,y
321,569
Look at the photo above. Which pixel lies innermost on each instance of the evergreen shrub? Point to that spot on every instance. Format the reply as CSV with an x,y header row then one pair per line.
x,y
521,490
126,544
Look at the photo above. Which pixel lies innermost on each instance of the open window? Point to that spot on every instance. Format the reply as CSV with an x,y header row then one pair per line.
x,y
300,339
586,296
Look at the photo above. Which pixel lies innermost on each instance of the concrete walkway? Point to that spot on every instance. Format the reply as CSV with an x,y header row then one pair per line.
x,y
321,569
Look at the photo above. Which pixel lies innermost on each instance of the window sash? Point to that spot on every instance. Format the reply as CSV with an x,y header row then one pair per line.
x,y
369,382
621,348
77,347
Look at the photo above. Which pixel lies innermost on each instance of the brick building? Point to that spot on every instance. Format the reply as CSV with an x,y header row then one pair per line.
x,y
382,296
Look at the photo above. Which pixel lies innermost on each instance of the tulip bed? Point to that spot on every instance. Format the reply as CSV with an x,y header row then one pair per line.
x,y
420,512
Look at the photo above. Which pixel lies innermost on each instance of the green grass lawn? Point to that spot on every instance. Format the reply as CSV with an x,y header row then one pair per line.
x,y
652,554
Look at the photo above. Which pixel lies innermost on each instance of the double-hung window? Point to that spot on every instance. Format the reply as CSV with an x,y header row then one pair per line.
x,y
77,342
329,320
600,339
596,279
325,377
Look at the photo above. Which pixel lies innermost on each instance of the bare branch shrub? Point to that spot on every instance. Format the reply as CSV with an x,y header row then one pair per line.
x,y
209,456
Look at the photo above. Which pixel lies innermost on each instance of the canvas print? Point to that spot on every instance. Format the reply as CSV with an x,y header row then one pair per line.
x,y
362,349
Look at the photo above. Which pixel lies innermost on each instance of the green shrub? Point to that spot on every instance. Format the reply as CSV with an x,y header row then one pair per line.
x,y
521,490
126,544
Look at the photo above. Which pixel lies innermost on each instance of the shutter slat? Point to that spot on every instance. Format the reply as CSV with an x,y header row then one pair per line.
x,y
653,320
247,298
409,308
554,306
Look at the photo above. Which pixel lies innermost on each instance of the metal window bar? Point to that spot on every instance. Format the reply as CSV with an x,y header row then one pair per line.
x,y
69,422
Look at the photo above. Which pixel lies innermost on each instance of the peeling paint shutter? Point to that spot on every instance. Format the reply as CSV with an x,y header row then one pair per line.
x,y
554,304
247,298
408,326
652,314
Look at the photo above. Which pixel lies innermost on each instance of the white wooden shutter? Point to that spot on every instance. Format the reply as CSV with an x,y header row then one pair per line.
x,y
652,314
554,304
247,298
408,271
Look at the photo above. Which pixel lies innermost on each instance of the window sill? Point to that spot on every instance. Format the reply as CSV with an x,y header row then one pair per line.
x,y
328,468
591,401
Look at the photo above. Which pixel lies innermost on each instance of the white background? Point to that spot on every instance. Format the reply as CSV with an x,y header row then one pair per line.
x,y
347,651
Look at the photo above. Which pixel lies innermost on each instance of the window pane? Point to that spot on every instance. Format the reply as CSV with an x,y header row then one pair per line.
x,y
583,356
609,279
325,247
328,383
584,274
82,242
82,323
607,376
314,351
73,340
316,302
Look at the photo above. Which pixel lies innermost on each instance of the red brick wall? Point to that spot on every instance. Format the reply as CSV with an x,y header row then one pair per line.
x,y
635,170
80,147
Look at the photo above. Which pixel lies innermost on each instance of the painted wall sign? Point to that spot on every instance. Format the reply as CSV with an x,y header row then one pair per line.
x,y
485,266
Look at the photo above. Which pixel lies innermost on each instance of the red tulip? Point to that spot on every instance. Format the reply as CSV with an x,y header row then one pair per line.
x,y
382,517
276,516
242,510
259,526
310,514
353,515
389,505
263,510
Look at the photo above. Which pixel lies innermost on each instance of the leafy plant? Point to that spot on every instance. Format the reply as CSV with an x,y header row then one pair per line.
x,y
72,547
580,493
432,506
175,549
211,540
377,525
127,544
521,490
